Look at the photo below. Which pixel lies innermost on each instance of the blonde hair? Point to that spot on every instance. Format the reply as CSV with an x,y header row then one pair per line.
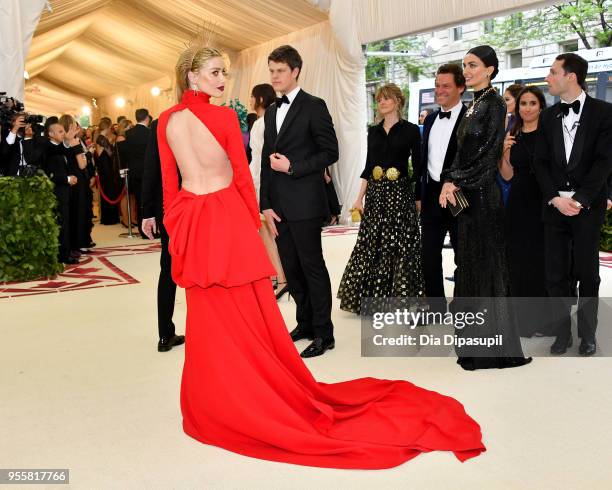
x,y
391,91
192,60
124,125
66,120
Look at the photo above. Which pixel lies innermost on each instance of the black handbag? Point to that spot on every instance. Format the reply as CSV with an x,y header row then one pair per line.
x,y
461,203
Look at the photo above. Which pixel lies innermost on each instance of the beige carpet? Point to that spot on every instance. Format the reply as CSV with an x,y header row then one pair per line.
x,y
84,388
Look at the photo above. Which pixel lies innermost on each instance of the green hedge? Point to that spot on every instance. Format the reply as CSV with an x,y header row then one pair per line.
x,y
28,229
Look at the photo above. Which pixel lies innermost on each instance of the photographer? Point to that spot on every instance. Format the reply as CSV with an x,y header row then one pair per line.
x,y
22,149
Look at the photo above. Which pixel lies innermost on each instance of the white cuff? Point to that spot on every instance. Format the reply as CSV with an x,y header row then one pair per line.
x,y
10,138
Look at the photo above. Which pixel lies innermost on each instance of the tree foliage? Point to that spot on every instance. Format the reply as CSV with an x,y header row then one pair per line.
x,y
582,18
378,68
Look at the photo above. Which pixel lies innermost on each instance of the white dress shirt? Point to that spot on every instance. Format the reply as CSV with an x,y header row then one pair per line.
x,y
570,125
439,137
256,142
282,111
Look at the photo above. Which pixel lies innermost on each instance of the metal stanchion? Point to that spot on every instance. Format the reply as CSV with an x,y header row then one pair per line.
x,y
123,172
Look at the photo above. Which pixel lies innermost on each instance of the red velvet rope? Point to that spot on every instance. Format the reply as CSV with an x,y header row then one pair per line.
x,y
104,196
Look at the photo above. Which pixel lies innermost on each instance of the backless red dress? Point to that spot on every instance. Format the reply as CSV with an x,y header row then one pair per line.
x,y
244,386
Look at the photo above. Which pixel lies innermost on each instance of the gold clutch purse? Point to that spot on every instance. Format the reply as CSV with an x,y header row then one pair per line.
x,y
461,203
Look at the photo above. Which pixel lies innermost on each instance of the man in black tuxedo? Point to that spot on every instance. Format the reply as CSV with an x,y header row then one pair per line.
x,y
439,148
153,212
573,161
59,147
134,148
299,143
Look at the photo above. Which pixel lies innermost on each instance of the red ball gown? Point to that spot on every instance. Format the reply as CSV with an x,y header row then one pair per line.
x,y
244,386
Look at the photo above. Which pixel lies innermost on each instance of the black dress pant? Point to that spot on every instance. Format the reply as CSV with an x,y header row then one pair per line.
x,y
166,288
301,254
63,220
435,223
572,254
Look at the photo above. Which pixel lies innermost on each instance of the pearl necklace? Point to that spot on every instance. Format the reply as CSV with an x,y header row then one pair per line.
x,y
472,107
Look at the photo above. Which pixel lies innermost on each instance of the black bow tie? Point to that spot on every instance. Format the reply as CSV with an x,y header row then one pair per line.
x,y
565,108
442,115
281,100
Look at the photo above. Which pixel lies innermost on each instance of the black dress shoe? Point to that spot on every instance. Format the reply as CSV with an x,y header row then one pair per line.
x,y
560,345
70,261
318,348
164,345
587,347
299,333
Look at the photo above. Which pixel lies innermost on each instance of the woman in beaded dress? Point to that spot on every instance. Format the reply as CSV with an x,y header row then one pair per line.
x,y
386,260
482,270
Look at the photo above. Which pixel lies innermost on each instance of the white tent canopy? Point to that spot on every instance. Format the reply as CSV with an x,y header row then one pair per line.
x,y
103,49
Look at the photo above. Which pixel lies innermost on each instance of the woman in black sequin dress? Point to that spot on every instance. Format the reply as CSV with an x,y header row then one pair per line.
x,y
386,261
482,270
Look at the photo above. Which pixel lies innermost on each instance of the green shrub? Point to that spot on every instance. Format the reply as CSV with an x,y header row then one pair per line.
x,y
28,229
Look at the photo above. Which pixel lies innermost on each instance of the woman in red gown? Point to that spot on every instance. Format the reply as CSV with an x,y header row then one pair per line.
x,y
244,387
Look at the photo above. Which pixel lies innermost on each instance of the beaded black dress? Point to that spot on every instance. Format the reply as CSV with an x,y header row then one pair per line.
x,y
386,260
482,269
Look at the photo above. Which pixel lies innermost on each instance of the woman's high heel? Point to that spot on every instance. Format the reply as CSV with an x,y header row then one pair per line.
x,y
283,288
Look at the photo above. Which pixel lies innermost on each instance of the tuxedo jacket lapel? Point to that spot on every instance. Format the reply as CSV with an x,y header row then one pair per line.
x,y
451,149
581,130
291,114
559,145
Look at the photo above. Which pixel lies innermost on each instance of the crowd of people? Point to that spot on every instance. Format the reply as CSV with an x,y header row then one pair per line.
x,y
85,166
522,191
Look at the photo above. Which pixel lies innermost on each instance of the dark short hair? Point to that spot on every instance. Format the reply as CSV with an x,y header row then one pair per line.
x,y
455,71
572,63
287,54
518,120
120,118
141,114
264,95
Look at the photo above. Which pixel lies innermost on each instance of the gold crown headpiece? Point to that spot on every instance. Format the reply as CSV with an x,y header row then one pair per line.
x,y
203,38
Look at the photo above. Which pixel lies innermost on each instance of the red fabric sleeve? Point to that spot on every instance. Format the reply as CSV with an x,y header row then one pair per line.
x,y
240,166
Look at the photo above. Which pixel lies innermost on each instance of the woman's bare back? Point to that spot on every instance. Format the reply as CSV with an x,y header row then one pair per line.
x,y
202,162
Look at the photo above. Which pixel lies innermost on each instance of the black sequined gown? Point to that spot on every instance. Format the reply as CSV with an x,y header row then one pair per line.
x,y
482,270
386,260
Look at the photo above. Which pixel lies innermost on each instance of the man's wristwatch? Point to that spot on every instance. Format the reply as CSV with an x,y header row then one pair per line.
x,y
290,170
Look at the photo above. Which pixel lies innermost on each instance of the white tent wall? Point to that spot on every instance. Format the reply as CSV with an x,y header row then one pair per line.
x,y
18,21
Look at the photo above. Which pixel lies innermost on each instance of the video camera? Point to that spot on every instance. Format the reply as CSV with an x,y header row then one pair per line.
x,y
10,108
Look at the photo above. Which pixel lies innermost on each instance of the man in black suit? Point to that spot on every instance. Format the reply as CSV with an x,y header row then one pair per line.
x,y
134,149
573,161
59,146
153,212
299,143
439,148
